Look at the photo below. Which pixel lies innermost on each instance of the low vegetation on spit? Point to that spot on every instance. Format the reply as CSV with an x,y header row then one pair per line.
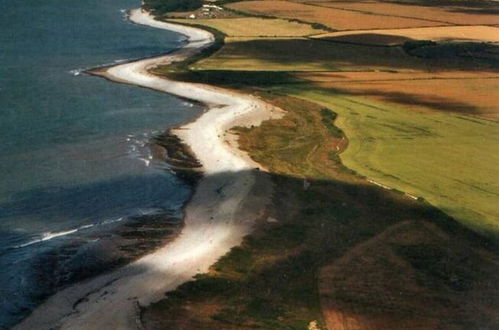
x,y
385,213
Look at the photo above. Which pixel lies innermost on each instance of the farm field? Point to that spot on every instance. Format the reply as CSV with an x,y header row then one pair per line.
x,y
257,27
408,109
459,92
397,148
385,213
391,37
455,14
303,54
334,18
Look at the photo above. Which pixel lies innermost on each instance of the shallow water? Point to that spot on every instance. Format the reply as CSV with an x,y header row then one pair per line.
x,y
74,155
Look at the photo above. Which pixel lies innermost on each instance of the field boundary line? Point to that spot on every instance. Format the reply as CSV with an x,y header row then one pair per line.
x,y
379,14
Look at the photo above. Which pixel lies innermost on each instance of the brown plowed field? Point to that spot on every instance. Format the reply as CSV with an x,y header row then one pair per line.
x,y
334,18
453,15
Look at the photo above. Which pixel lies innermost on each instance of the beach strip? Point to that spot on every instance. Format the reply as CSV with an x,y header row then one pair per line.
x,y
219,215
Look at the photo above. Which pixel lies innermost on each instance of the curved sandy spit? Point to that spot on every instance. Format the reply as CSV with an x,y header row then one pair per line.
x,y
217,218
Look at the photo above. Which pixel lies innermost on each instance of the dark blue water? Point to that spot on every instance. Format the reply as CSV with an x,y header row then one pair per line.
x,y
74,149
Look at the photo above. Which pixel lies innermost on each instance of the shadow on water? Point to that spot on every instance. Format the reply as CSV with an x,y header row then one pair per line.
x,y
125,195
110,224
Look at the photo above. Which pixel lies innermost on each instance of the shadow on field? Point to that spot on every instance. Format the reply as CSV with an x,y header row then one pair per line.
x,y
433,102
341,254
298,54
276,80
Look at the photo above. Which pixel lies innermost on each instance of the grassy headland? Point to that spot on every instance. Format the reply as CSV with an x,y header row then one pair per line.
x,y
335,248
323,218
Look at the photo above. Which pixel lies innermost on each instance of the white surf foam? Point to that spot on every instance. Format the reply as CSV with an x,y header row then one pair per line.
x,y
48,236
76,72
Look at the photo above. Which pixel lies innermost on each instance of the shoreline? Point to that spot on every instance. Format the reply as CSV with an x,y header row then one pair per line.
x,y
216,218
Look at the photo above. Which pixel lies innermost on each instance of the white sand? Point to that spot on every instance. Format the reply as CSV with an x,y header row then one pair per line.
x,y
219,215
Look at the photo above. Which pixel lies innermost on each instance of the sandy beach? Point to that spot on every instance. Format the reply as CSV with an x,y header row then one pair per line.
x,y
221,212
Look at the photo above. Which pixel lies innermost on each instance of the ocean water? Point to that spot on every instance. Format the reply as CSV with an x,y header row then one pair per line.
x,y
75,157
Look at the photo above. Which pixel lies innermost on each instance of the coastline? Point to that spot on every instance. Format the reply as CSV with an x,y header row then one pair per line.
x,y
216,218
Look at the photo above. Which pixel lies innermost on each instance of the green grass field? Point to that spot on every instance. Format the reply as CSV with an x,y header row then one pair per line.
x,y
449,160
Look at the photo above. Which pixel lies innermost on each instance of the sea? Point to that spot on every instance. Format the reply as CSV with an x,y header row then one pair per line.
x,y
75,150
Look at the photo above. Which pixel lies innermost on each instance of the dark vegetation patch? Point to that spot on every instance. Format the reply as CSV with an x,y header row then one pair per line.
x,y
374,39
314,25
160,7
484,55
326,55
458,271
233,79
328,118
180,157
